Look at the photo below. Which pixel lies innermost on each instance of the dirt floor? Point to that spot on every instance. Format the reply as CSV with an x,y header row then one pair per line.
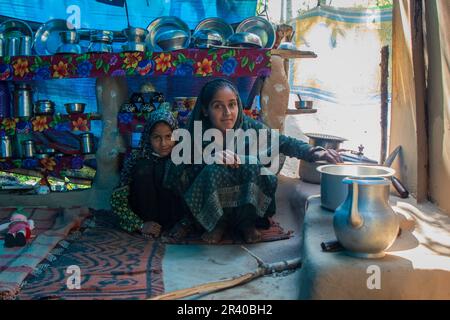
x,y
189,265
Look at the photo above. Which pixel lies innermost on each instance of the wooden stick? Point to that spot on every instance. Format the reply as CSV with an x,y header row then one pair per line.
x,y
233,282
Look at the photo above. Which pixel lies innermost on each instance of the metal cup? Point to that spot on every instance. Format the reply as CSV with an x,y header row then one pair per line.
x,y
28,149
13,45
2,45
25,46
5,147
87,143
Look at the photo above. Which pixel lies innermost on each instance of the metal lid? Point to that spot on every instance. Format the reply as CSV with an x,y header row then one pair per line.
x,y
324,137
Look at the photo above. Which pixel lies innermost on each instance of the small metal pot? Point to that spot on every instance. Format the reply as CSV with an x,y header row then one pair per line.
x,y
70,40
87,143
75,107
308,171
25,45
44,107
5,147
101,41
134,34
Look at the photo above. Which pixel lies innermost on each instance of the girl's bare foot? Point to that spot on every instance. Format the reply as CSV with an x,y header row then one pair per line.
x,y
251,234
151,229
180,230
214,236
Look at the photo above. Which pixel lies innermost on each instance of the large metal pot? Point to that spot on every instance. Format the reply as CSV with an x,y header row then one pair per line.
x,y
333,192
308,171
325,140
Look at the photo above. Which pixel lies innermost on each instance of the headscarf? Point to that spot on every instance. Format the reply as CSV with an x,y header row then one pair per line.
x,y
145,150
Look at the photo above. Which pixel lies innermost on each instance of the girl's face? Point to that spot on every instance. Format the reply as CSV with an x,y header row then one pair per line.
x,y
161,139
223,109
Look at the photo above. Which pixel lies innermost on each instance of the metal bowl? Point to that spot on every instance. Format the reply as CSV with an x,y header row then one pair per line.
x,y
134,34
44,107
261,27
223,28
172,40
162,25
75,107
245,40
47,39
205,38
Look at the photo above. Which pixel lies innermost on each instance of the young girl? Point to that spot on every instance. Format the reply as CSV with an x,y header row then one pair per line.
x,y
234,194
142,203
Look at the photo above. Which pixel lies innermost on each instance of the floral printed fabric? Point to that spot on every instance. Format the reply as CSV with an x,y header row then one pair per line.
x,y
186,62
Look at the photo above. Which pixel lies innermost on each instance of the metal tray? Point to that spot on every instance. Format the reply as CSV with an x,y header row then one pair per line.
x,y
261,27
217,24
47,38
165,23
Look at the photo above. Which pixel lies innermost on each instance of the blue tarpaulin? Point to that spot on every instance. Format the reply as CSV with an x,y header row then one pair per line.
x,y
98,15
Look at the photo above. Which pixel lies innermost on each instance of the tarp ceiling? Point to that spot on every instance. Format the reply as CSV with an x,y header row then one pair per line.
x,y
98,15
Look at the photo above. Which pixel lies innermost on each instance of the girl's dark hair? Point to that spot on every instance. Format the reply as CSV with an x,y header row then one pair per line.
x,y
205,97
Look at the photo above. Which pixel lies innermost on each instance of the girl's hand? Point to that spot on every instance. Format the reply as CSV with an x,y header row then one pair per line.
x,y
228,158
152,229
329,155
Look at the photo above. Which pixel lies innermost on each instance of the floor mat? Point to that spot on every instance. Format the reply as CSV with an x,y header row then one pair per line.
x,y
53,225
274,233
112,265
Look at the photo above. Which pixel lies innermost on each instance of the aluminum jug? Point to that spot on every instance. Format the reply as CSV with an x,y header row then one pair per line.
x,y
365,224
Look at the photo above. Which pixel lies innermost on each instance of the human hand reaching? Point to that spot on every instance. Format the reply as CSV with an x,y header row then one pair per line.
x,y
329,155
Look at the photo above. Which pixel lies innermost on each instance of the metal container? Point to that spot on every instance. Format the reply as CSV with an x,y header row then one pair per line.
x,y
5,100
75,108
172,40
325,140
365,224
5,147
245,40
101,41
13,46
308,171
134,47
25,45
333,192
44,107
87,143
22,100
2,45
206,38
135,34
28,149
70,42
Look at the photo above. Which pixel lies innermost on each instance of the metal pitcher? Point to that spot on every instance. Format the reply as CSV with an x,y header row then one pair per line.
x,y
365,224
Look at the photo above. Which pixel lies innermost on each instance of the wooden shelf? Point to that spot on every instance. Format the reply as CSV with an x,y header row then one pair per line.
x,y
292,112
293,54
214,62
